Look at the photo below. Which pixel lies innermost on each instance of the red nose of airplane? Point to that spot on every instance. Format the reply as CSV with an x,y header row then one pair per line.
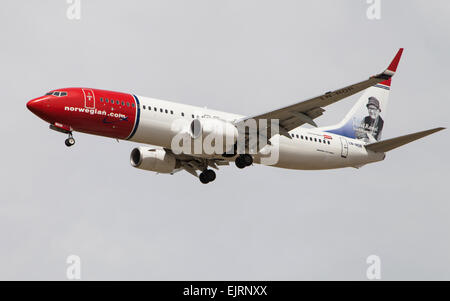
x,y
33,105
39,106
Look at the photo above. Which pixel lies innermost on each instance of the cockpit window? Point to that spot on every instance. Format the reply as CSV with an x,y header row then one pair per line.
x,y
57,93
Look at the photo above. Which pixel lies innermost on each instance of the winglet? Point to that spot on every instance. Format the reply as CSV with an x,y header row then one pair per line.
x,y
390,71
393,66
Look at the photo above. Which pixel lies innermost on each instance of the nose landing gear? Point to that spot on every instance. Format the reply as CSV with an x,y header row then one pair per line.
x,y
65,130
70,141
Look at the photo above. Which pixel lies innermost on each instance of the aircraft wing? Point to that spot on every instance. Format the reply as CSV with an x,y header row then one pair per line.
x,y
295,115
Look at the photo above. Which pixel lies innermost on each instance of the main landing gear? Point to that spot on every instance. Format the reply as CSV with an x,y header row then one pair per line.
x,y
70,141
207,176
243,161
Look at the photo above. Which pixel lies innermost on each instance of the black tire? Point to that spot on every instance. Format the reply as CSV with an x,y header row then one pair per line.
x,y
203,178
240,162
248,160
69,142
210,175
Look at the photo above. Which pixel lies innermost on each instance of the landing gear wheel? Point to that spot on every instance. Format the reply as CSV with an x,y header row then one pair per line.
x,y
210,175
69,141
248,160
207,176
240,162
243,161
203,178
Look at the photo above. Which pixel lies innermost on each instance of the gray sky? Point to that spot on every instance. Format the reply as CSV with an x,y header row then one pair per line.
x,y
244,57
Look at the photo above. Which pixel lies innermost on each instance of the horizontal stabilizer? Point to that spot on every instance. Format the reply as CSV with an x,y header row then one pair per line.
x,y
390,144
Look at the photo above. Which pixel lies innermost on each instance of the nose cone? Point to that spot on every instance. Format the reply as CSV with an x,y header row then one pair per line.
x,y
33,105
39,106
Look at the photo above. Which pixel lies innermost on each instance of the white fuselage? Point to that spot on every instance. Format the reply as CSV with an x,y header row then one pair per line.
x,y
312,152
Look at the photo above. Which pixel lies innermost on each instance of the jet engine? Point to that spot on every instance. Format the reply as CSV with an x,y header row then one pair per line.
x,y
213,130
151,159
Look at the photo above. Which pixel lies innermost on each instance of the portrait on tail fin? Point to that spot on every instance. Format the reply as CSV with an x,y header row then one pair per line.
x,y
372,124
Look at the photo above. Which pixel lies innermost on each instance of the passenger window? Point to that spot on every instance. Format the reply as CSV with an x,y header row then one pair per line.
x,y
310,138
328,142
149,108
315,139
182,114
143,107
166,111
161,110
320,141
106,100
155,109
171,112
128,104
193,116
132,105
117,102
296,136
123,103
101,99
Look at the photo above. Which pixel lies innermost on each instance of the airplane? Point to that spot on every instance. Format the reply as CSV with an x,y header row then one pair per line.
x,y
353,142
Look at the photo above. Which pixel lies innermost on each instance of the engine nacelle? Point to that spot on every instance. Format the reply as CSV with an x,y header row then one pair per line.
x,y
156,160
214,129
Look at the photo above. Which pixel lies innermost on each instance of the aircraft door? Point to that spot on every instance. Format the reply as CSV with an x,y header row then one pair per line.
x,y
89,98
344,147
